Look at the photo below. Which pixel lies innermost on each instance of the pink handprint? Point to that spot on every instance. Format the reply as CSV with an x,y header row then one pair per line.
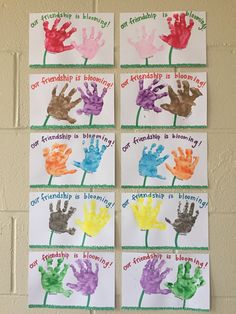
x,y
90,45
54,38
145,46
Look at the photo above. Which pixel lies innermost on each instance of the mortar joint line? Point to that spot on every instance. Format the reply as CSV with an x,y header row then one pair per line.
x,y
13,255
16,88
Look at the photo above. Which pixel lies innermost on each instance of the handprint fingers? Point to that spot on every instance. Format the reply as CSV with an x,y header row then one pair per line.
x,y
65,26
95,89
143,31
84,33
180,271
187,268
87,89
89,265
191,210
65,206
182,20
63,89
58,207
92,33
56,22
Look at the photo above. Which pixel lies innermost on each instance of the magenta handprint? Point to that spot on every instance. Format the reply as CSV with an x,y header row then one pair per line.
x,y
145,46
54,38
90,45
147,96
93,103
152,278
180,33
87,279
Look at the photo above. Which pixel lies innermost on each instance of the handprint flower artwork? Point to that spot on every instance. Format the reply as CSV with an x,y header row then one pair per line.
x,y
164,281
74,39
147,39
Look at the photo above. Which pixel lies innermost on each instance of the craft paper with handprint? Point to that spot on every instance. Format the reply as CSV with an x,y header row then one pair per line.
x,y
151,218
87,279
71,219
162,281
185,221
146,37
163,97
52,279
93,103
185,164
56,36
72,160
55,160
186,286
147,96
74,39
149,162
92,159
182,102
152,278
90,45
93,223
79,280
146,216
58,220
55,101
145,45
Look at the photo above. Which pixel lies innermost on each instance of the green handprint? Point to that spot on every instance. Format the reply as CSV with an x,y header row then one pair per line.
x,y
185,286
52,279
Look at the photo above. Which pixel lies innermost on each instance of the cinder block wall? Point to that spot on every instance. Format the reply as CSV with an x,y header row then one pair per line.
x,y
14,141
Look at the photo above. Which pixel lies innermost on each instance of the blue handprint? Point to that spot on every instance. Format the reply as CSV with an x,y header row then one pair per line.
x,y
149,162
92,159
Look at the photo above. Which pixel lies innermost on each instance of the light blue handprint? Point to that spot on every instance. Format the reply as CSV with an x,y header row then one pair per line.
x,y
149,162
92,159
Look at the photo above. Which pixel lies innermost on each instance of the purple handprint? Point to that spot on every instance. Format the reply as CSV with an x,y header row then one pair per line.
x,y
90,45
147,96
152,278
145,46
93,103
87,280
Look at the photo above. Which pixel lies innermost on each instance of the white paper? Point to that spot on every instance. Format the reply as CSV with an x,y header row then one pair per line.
x,y
87,39
72,159
78,226
147,160
43,102
141,45
167,228
138,111
103,296
132,271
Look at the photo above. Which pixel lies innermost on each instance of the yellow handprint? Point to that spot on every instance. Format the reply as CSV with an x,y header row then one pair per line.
x,y
146,216
93,222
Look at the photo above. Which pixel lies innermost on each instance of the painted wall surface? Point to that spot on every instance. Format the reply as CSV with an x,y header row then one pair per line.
x,y
14,141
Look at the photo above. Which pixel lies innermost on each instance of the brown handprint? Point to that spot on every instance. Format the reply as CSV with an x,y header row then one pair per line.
x,y
58,220
60,105
182,102
185,164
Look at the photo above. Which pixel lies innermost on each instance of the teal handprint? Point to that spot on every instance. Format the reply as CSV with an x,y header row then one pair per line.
x,y
149,162
186,286
52,278
92,159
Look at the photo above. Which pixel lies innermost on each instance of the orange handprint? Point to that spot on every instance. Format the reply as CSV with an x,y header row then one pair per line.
x,y
55,160
185,164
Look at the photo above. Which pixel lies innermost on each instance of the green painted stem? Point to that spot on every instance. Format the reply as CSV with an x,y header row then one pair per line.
x,y
46,120
175,117
83,239
91,119
141,299
176,239
173,181
146,238
82,181
50,240
88,301
45,298
44,57
170,55
50,180
144,181
184,304
85,61
137,116
146,61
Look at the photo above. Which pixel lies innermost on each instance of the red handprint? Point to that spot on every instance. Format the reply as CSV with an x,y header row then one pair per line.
x,y
54,38
180,32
